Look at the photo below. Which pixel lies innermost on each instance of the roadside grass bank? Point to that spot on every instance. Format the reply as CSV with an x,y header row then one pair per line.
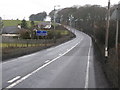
x,y
13,47
98,57
110,65
14,52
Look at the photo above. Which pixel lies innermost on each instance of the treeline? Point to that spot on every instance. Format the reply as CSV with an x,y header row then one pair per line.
x,y
90,19
38,17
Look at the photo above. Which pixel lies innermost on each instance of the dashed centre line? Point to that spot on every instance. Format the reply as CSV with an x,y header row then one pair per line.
x,y
14,79
47,61
46,64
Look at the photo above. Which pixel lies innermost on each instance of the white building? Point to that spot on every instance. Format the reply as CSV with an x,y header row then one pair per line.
x,y
1,25
48,18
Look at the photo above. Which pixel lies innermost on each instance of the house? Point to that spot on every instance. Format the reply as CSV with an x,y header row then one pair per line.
x,y
45,25
1,25
10,30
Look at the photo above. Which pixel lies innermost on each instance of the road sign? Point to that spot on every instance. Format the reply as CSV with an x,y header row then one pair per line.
x,y
41,33
116,14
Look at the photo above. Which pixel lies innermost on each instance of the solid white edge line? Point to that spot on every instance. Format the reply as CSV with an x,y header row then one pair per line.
x,y
12,80
28,75
88,66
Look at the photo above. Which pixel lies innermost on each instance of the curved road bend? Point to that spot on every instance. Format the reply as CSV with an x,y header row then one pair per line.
x,y
69,65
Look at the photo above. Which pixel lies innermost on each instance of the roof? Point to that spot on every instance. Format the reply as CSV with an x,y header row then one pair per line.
x,y
10,30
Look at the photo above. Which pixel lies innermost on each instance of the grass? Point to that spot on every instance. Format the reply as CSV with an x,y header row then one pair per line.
x,y
15,22
11,22
63,32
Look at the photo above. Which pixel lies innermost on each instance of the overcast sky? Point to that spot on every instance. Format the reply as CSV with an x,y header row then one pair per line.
x,y
13,9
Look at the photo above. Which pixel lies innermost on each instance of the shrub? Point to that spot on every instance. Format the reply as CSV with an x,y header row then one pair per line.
x,y
24,34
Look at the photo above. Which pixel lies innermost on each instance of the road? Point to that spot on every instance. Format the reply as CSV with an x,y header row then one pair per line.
x,y
69,65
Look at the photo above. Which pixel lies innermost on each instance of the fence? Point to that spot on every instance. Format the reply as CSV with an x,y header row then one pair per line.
x,y
11,42
19,44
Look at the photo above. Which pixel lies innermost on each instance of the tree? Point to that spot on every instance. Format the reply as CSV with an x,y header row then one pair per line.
x,y
38,17
32,24
24,24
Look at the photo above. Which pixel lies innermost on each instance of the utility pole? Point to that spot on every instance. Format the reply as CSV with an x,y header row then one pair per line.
x,y
107,30
61,19
116,42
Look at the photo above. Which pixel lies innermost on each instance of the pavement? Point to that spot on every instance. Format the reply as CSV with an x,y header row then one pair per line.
x,y
69,65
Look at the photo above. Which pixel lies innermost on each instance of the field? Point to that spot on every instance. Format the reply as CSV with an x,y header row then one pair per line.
x,y
63,32
15,22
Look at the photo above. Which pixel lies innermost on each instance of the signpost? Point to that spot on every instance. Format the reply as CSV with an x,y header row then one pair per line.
x,y
116,16
41,33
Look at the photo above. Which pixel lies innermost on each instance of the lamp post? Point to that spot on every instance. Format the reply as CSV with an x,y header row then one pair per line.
x,y
55,11
61,19
76,20
55,20
70,19
76,23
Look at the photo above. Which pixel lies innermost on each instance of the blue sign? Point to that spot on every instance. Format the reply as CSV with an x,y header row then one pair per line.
x,y
41,33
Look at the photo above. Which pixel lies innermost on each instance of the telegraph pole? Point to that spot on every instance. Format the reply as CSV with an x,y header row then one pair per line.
x,y
116,40
107,30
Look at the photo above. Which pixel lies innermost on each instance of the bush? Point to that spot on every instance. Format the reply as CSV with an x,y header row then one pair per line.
x,y
52,34
25,34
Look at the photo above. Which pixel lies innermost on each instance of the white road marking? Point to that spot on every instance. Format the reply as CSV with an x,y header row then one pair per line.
x,y
47,61
60,54
88,66
12,80
28,75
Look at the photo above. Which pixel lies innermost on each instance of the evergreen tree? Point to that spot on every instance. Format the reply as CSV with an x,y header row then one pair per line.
x,y
24,24
32,24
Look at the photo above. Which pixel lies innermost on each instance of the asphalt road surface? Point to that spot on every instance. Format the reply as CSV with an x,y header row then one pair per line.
x,y
69,65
